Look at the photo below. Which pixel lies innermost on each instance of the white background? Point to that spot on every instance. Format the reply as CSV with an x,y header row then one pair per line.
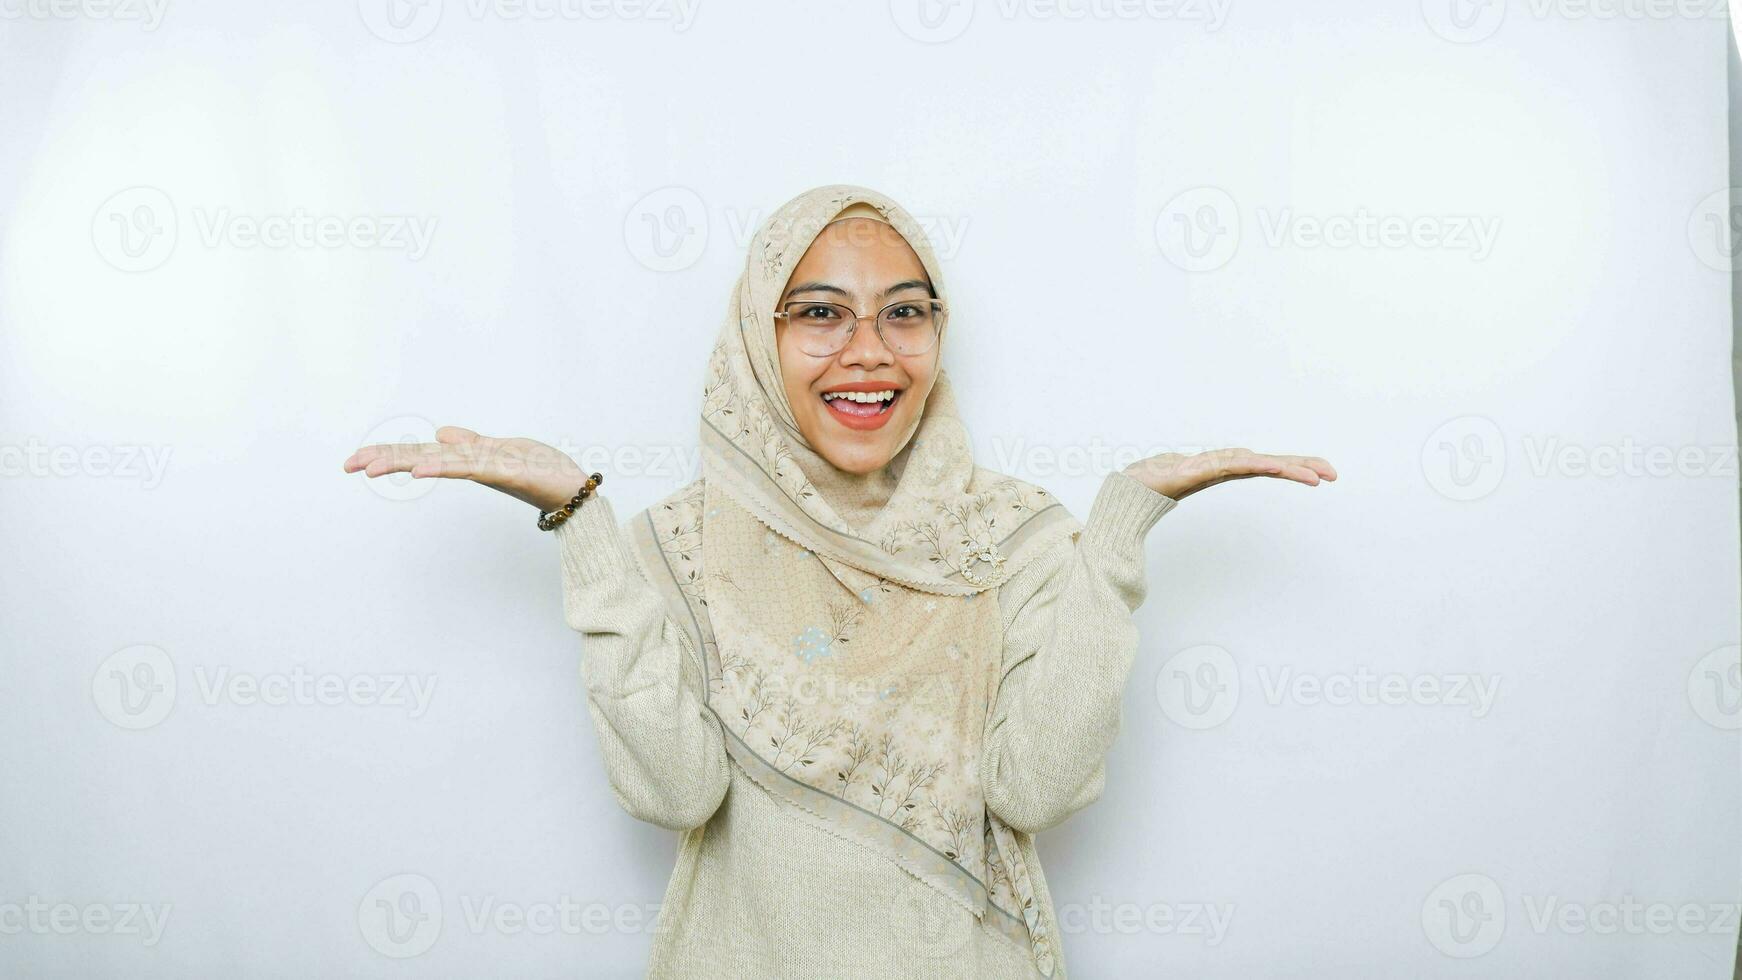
x,y
1493,408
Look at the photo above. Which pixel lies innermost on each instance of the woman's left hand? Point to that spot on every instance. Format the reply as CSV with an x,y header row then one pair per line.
x,y
1179,476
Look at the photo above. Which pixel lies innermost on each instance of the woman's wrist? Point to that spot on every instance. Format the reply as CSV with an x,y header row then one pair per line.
x,y
1167,483
550,484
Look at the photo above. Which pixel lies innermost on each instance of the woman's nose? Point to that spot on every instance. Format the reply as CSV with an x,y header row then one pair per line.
x,y
865,348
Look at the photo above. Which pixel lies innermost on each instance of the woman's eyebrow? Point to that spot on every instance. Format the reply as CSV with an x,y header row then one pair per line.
x,y
823,287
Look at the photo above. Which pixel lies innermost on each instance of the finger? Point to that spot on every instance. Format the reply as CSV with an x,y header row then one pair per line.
x,y
454,435
366,455
454,464
1316,464
1263,464
400,458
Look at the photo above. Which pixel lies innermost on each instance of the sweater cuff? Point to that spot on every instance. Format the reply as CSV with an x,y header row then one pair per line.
x,y
1123,512
592,546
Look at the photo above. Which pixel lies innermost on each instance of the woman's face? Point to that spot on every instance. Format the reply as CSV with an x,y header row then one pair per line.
x,y
866,265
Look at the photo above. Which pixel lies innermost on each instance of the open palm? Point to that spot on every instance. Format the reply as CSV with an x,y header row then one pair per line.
x,y
1179,475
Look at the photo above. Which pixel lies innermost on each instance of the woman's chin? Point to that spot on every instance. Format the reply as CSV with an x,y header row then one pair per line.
x,y
856,459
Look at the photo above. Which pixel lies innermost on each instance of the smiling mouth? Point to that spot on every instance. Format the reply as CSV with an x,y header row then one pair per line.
x,y
861,410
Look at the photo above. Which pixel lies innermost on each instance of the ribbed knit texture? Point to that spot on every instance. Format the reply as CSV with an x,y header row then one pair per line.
x,y
758,893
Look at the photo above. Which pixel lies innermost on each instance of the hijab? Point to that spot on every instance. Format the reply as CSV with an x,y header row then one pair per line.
x,y
847,625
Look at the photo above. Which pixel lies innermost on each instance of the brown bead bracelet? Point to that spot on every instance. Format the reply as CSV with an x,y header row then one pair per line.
x,y
554,519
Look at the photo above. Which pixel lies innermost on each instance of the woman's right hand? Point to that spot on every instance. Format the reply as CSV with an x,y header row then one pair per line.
x,y
521,468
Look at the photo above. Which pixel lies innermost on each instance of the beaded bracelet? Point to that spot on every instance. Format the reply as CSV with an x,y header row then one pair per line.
x,y
554,519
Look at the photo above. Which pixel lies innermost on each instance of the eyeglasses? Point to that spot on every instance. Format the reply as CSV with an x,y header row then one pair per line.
x,y
908,326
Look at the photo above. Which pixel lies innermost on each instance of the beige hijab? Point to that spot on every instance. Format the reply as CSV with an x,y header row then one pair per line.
x,y
847,625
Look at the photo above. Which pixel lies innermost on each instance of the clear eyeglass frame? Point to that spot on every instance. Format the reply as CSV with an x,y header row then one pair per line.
x,y
940,312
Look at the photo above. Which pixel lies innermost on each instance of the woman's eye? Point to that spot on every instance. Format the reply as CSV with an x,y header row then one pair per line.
x,y
817,312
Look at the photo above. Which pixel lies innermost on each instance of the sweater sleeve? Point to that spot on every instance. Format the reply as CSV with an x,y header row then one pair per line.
x,y
663,750
1069,642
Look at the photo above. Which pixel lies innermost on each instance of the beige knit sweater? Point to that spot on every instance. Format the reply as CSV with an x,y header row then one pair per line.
x,y
758,893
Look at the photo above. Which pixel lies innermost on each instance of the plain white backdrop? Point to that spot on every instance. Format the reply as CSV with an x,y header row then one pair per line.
x,y
1471,711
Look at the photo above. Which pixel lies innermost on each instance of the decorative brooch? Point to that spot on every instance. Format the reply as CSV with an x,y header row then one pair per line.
x,y
980,562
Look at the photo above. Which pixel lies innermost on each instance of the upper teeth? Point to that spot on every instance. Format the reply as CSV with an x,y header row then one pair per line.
x,y
859,396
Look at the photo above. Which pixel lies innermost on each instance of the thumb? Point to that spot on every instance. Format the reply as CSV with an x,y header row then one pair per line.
x,y
453,435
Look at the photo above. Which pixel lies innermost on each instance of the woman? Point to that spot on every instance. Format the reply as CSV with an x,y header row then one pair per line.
x,y
856,670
